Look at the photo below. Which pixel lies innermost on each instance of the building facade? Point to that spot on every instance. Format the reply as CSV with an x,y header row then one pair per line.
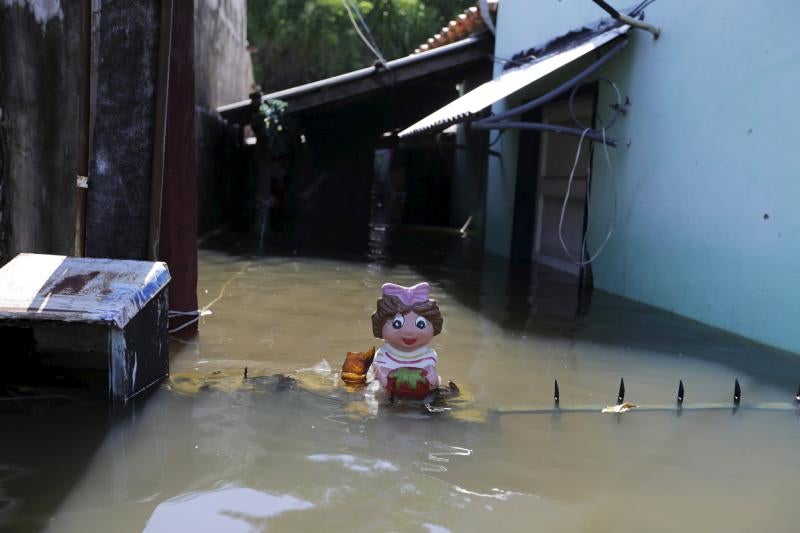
x,y
702,189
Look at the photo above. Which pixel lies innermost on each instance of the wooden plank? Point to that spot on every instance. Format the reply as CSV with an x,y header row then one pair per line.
x,y
179,221
125,40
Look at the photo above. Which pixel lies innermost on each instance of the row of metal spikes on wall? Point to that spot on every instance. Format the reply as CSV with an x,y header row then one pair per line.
x,y
622,406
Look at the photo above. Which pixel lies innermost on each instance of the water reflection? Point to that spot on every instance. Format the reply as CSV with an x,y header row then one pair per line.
x,y
229,508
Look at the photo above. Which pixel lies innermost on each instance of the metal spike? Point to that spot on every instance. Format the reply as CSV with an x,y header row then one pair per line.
x,y
680,394
621,393
556,395
737,393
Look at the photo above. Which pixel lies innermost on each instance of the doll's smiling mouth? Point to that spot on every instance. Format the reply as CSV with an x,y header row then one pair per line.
x,y
409,342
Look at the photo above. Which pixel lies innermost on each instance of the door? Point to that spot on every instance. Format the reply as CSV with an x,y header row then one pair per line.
x,y
562,249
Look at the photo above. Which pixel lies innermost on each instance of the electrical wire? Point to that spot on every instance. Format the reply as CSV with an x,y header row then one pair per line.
x,y
371,37
586,130
507,61
580,262
375,51
579,79
499,136
640,8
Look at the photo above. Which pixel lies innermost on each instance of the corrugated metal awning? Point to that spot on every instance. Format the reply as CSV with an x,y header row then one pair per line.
x,y
510,82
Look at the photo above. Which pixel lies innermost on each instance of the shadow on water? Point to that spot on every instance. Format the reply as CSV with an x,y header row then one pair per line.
x,y
527,299
52,434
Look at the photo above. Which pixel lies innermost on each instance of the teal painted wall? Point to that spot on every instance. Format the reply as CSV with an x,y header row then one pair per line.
x,y
708,218
521,24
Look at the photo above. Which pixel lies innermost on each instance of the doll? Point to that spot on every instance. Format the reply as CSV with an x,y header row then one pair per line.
x,y
406,319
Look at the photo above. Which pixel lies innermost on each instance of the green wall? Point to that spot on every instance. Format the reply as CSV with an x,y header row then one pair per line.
x,y
708,217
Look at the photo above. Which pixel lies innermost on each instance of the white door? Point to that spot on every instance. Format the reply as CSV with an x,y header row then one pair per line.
x,y
557,155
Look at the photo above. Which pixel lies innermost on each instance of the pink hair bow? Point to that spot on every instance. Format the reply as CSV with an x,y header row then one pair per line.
x,y
408,295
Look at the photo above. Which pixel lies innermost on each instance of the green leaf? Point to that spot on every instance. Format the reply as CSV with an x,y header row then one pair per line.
x,y
408,376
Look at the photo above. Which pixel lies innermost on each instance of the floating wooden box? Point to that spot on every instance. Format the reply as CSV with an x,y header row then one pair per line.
x,y
86,314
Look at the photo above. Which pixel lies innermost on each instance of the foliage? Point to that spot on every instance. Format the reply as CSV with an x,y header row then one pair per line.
x,y
273,113
274,130
300,41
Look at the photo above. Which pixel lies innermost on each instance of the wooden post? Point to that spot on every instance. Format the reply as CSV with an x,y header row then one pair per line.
x,y
178,242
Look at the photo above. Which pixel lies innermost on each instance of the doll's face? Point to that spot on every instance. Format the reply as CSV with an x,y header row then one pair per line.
x,y
407,332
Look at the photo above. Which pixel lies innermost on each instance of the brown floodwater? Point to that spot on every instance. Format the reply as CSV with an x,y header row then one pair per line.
x,y
211,451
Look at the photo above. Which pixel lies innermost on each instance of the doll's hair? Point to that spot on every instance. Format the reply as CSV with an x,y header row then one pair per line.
x,y
389,306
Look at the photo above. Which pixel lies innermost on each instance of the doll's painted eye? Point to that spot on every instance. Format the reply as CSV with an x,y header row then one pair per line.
x,y
420,322
397,322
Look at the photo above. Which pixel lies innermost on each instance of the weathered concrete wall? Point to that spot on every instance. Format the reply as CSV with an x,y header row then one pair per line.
x,y
39,53
39,75
223,74
223,69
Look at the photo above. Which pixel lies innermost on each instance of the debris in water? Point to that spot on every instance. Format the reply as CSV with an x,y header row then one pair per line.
x,y
619,408
323,367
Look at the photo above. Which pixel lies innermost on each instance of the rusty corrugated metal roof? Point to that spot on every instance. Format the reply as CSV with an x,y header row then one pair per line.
x,y
455,30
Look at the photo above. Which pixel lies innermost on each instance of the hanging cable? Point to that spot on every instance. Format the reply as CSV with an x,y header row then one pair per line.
x,y
373,47
364,24
499,136
586,131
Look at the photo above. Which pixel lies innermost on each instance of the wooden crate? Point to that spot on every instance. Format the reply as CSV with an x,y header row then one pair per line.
x,y
87,315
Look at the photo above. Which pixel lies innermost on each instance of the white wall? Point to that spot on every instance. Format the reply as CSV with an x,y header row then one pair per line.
x,y
714,132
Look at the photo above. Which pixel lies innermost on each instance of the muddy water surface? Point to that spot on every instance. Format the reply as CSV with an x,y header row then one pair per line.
x,y
214,452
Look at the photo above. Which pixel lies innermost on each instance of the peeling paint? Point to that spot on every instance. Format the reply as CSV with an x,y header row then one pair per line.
x,y
135,369
117,375
43,10
90,290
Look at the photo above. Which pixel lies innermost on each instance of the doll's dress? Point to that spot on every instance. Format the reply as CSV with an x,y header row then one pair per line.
x,y
406,374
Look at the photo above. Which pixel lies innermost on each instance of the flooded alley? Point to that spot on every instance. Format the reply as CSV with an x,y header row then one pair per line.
x,y
212,451
561,236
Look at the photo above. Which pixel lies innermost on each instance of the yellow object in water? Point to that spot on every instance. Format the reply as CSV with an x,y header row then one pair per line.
x,y
318,380
619,408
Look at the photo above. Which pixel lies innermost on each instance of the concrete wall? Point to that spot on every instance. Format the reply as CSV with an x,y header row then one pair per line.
x,y
222,63
707,218
38,125
223,74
